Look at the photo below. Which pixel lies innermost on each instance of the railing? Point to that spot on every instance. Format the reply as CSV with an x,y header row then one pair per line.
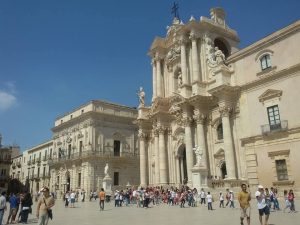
x,y
269,128
13,165
19,164
87,154
45,158
29,162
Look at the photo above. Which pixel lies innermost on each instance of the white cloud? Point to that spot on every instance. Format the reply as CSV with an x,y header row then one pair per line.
x,y
7,100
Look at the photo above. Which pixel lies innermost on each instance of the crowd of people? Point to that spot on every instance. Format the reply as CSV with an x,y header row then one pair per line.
x,y
20,205
267,199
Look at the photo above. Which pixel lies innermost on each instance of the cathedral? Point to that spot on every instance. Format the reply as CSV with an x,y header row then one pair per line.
x,y
221,115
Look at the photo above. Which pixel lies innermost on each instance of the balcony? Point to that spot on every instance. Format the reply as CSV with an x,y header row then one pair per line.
x,y
13,165
19,164
45,158
269,129
92,154
29,162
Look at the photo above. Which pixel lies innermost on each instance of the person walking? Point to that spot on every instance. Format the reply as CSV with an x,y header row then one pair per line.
x,y
13,201
45,203
2,205
244,199
202,196
221,199
26,205
101,199
291,198
263,208
209,201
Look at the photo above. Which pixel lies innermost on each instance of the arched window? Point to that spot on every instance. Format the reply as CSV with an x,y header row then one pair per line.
x,y
265,61
220,131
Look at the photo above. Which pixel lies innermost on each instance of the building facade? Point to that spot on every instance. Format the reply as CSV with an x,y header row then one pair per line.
x,y
221,115
6,155
35,168
87,138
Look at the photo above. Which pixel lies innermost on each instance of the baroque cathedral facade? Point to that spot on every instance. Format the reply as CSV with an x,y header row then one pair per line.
x,y
221,115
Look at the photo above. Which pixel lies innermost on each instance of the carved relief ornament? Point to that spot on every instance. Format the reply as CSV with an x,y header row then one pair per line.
x,y
225,111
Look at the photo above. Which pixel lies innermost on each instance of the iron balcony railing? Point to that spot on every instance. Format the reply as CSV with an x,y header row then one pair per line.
x,y
91,153
269,128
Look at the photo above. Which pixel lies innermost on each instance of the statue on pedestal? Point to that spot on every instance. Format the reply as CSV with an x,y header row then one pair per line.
x,y
106,170
199,154
141,95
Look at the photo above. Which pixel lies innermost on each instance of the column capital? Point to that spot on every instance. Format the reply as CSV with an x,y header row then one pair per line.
x,y
142,135
187,121
161,129
155,132
199,117
225,111
193,35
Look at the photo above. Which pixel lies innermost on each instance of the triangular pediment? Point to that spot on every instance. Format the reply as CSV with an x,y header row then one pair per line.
x,y
269,94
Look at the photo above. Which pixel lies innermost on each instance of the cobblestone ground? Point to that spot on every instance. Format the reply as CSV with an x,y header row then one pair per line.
x,y
88,213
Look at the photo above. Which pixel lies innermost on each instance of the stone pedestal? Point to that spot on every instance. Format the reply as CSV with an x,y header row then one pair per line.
x,y
107,181
199,177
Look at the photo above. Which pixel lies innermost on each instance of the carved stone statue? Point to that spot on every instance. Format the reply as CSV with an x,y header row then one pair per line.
x,y
106,170
220,57
179,80
199,154
141,95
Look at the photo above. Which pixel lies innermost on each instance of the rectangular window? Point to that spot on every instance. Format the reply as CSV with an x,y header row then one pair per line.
x,y
265,62
116,178
69,151
79,180
117,146
274,117
44,171
281,170
80,148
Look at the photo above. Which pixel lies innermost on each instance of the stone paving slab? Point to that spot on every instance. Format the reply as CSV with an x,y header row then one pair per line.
x,y
88,213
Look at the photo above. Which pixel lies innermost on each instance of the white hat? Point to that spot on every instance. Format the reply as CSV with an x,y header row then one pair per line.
x,y
260,186
230,191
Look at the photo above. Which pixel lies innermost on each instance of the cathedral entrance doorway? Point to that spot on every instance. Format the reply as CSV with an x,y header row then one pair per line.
x,y
182,164
223,170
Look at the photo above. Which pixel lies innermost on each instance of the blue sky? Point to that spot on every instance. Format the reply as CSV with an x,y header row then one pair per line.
x,y
57,55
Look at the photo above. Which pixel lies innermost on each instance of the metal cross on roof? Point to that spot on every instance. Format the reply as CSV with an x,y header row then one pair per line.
x,y
175,11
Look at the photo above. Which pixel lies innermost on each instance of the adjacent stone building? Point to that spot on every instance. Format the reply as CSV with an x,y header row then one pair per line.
x,y
6,155
87,138
222,115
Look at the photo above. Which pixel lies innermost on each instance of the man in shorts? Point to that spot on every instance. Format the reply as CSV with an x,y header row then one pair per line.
x,y
263,208
244,198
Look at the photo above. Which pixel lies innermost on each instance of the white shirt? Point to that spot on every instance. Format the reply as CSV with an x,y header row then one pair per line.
x,y
2,202
261,203
209,198
72,195
221,197
202,194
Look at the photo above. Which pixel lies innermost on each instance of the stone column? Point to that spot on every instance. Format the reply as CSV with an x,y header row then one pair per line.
x,y
154,79
199,118
183,61
162,156
189,147
228,144
143,162
158,76
177,167
156,146
195,57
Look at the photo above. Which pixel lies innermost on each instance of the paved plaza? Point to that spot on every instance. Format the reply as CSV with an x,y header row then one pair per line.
x,y
88,213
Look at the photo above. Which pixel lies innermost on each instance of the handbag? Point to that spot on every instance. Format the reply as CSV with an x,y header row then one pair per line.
x,y
49,211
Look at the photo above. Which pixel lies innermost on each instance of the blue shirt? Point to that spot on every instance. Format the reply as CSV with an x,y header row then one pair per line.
x,y
13,202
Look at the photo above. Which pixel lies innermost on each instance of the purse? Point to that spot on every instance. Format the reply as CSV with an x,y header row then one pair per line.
x,y
49,211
